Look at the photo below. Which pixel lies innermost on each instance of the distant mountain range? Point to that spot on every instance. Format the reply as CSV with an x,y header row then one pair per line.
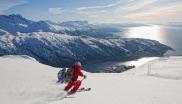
x,y
61,44
16,23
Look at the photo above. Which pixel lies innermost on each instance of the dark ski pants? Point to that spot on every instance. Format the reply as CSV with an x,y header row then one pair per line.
x,y
75,84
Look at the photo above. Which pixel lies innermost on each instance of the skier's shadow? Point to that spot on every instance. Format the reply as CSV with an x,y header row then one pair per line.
x,y
69,97
57,97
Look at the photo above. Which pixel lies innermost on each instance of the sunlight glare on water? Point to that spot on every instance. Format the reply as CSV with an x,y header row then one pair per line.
x,y
147,32
170,36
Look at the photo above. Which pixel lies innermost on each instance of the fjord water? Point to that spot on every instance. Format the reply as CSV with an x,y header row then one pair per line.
x,y
168,35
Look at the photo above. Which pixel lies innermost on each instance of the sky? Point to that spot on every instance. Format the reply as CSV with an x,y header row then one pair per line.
x,y
96,11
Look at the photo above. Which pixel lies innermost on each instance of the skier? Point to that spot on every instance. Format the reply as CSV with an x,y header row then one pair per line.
x,y
75,83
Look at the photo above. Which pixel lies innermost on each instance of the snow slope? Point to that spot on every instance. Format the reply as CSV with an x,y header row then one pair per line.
x,y
25,81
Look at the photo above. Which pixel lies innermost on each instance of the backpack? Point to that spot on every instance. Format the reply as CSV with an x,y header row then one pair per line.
x,y
65,75
69,74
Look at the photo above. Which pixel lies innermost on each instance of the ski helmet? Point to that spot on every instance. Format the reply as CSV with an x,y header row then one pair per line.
x,y
78,63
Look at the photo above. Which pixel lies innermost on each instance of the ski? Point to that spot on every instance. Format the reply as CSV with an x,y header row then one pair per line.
x,y
84,89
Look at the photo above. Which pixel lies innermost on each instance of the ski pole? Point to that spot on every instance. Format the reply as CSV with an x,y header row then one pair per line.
x,y
82,79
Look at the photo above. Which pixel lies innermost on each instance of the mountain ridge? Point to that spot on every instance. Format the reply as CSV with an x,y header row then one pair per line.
x,y
62,50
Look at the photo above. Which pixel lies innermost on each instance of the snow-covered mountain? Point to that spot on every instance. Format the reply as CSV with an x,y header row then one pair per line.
x,y
16,23
77,25
62,50
25,81
2,32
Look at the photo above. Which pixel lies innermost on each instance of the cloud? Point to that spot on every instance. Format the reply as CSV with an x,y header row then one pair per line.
x,y
135,10
9,4
108,6
101,7
160,13
120,7
55,11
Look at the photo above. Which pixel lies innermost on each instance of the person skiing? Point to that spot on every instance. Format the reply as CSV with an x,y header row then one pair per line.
x,y
74,82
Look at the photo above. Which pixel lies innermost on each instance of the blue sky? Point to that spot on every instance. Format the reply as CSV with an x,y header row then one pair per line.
x,y
102,11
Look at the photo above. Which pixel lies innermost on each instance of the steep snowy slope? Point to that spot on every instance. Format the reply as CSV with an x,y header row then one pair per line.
x,y
25,81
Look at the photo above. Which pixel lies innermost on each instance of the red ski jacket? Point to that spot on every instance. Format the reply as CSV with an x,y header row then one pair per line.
x,y
77,72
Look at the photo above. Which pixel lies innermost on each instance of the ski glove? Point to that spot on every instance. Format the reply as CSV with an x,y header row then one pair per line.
x,y
84,76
